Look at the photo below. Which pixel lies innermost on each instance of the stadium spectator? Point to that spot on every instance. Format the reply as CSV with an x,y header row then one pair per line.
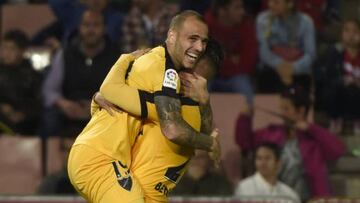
x,y
202,180
76,73
146,24
287,45
307,147
200,6
70,12
235,31
19,85
338,78
265,181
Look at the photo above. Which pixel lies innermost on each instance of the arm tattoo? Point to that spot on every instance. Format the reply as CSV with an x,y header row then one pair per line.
x,y
206,118
175,128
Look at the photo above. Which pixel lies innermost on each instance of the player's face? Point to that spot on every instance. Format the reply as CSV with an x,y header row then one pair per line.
x,y
279,7
205,68
92,28
190,42
351,34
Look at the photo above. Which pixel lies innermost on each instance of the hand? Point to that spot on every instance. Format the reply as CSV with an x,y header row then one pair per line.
x,y
195,87
285,71
302,125
103,103
215,153
70,108
140,52
13,115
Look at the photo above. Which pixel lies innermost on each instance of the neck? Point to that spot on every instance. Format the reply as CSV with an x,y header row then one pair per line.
x,y
285,15
92,50
171,52
271,179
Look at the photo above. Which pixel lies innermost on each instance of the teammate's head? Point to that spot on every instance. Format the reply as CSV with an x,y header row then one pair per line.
x,y
187,39
281,7
295,102
267,159
210,62
229,11
13,46
351,33
91,28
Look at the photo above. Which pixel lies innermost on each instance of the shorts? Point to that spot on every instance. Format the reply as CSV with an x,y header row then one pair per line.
x,y
102,179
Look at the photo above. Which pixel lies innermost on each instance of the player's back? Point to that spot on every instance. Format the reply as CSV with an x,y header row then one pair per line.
x,y
111,135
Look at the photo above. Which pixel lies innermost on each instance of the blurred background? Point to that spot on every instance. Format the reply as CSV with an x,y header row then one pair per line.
x,y
286,97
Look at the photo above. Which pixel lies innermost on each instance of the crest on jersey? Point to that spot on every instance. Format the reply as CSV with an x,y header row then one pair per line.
x,y
171,79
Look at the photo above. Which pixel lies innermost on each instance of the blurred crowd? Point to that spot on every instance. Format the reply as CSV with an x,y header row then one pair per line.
x,y
270,46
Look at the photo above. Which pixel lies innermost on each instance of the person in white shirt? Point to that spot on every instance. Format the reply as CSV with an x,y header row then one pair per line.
x,y
265,181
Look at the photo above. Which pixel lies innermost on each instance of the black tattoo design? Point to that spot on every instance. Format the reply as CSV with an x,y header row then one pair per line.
x,y
175,128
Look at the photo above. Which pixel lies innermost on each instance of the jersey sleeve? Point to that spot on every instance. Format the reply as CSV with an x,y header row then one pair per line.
x,y
169,84
115,90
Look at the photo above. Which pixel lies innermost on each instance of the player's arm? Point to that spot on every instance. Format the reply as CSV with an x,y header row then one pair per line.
x,y
116,91
177,130
194,86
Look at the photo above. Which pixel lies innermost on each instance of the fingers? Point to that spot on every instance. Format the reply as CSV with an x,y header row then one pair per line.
x,y
215,133
108,109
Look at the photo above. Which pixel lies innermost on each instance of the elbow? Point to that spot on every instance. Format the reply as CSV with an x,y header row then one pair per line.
x,y
170,132
105,90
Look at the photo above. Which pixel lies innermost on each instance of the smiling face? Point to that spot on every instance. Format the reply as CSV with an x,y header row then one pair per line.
x,y
188,42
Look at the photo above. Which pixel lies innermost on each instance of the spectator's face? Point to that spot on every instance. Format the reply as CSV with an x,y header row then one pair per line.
x,y
288,109
96,5
265,162
189,42
10,53
351,34
280,7
235,12
92,28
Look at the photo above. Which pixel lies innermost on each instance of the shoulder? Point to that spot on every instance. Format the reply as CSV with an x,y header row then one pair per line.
x,y
151,61
245,186
305,19
287,191
246,182
263,17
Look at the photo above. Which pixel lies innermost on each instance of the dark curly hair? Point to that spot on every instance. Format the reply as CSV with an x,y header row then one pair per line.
x,y
214,52
18,37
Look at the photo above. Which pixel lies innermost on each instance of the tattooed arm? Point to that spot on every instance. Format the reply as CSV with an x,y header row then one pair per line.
x,y
194,86
177,130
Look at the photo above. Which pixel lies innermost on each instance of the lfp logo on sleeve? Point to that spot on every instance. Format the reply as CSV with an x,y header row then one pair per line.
x,y
171,79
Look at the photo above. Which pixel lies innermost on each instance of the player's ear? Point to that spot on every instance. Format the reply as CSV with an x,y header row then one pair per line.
x,y
171,36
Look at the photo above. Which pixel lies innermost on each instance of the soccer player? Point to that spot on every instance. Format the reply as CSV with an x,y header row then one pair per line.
x,y
157,163
100,158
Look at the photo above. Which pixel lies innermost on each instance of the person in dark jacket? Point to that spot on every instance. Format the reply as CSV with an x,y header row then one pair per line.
x,y
337,78
19,86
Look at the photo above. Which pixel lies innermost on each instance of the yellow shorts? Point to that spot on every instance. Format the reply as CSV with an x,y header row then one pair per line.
x,y
102,179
